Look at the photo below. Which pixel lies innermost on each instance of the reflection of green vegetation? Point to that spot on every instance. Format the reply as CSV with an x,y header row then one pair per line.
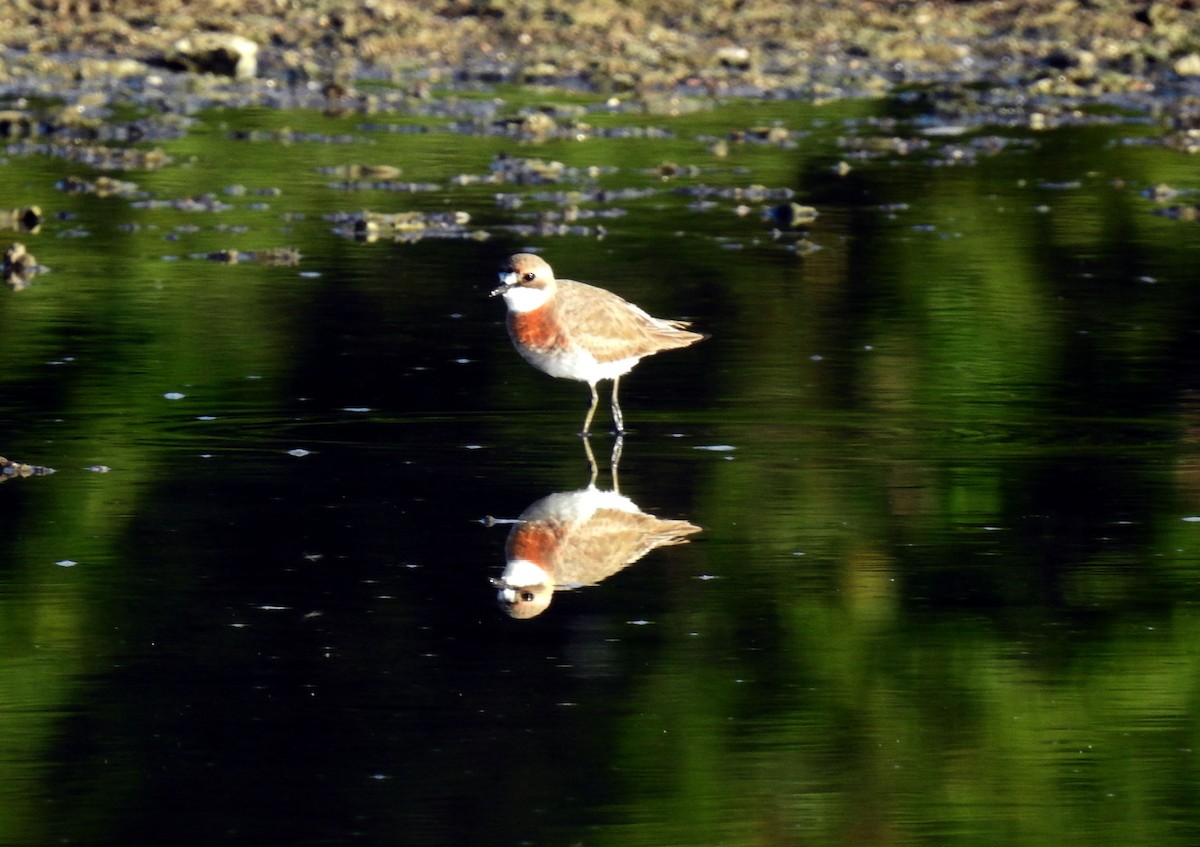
x,y
894,656
844,729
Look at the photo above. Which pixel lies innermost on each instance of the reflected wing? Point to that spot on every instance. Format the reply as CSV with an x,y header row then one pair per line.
x,y
611,540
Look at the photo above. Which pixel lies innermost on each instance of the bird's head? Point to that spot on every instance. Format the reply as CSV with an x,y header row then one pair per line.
x,y
526,282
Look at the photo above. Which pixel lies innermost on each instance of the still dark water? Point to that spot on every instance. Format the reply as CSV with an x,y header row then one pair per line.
x,y
943,445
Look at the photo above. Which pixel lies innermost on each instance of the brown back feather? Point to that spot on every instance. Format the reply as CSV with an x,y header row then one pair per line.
x,y
618,329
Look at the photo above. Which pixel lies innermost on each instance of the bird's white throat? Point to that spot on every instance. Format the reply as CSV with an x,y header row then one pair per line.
x,y
522,572
522,299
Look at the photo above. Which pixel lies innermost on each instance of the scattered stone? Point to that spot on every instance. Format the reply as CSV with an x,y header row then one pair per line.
x,y
1180,213
791,215
1187,141
277,257
1161,193
27,219
1188,65
219,53
15,123
20,266
357,172
199,203
102,186
273,257
738,58
670,170
402,226
95,156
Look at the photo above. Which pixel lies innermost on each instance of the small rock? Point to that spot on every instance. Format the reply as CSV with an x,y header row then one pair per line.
x,y
13,470
19,265
738,58
28,219
218,53
1188,65
790,215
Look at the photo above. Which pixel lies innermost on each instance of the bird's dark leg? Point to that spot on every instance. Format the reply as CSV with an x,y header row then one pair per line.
x,y
615,461
587,421
591,457
618,418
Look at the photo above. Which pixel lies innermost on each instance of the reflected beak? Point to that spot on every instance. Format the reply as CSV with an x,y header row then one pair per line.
x,y
507,280
505,593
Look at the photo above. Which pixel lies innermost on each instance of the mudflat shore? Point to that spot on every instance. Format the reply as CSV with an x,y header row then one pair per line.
x,y
820,48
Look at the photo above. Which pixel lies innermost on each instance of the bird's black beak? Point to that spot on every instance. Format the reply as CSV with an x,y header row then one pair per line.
x,y
508,279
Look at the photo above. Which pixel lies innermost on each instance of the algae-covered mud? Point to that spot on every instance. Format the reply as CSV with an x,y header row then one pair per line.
x,y
760,48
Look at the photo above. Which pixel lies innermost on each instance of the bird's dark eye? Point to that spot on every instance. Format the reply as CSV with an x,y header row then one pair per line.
x,y
527,596
529,276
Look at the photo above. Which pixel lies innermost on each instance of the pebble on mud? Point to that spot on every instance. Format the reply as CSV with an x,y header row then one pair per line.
x,y
27,219
20,266
219,53
790,215
12,470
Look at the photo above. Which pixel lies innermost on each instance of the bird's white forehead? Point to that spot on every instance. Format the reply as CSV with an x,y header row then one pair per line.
x,y
523,299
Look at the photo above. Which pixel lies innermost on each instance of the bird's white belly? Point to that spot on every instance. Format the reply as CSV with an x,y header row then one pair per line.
x,y
577,364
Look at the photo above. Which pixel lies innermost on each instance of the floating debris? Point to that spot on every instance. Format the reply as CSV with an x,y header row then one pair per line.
x,y
12,470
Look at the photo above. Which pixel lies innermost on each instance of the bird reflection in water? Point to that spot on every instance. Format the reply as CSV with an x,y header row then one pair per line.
x,y
572,539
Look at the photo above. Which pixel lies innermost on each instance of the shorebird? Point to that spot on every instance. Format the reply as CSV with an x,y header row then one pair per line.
x,y
577,331
577,538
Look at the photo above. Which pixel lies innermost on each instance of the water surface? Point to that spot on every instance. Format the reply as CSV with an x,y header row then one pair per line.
x,y
942,444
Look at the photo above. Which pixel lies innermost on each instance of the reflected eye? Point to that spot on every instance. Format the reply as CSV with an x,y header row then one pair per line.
x,y
529,276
